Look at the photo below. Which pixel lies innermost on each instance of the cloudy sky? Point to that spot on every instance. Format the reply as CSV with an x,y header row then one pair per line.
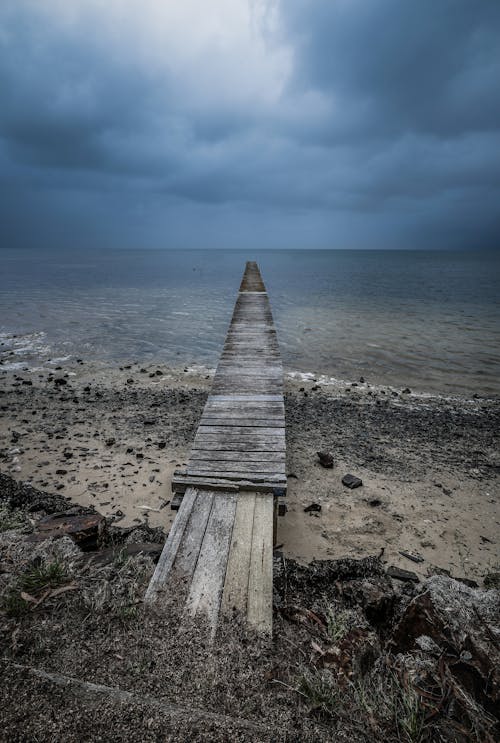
x,y
250,123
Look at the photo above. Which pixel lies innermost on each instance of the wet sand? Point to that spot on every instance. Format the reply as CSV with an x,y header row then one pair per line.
x,y
111,437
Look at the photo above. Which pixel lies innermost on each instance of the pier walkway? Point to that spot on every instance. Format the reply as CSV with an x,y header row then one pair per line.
x,y
218,555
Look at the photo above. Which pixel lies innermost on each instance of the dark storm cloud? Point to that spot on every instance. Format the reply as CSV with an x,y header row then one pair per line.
x,y
428,66
385,131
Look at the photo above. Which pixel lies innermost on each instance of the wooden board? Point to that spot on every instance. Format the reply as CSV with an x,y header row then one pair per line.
x,y
189,550
161,574
238,564
260,578
210,572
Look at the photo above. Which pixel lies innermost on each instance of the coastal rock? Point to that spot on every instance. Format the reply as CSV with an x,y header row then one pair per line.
x,y
312,508
351,481
325,459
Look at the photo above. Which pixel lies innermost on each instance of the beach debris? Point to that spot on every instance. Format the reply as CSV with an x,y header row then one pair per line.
x,y
148,508
312,508
406,391
325,459
374,502
400,574
463,622
124,551
60,381
351,481
410,556
86,530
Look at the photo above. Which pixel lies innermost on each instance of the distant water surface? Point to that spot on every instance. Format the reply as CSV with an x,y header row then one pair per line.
x,y
430,320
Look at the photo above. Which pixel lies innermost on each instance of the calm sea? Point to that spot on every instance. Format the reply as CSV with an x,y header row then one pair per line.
x,y
429,320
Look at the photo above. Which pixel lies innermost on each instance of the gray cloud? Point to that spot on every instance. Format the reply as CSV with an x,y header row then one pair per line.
x,y
361,124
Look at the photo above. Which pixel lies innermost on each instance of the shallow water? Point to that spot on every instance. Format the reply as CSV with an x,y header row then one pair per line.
x,y
430,320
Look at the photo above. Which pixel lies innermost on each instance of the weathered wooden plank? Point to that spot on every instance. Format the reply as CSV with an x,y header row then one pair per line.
x,y
251,436
246,398
182,482
223,386
209,575
243,430
260,579
235,592
237,422
232,432
212,418
189,550
251,456
252,409
238,445
229,466
169,552
225,474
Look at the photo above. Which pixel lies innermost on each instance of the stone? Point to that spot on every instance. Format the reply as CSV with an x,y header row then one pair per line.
x,y
325,459
312,508
351,481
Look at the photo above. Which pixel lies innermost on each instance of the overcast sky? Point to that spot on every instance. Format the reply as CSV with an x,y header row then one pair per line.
x,y
300,124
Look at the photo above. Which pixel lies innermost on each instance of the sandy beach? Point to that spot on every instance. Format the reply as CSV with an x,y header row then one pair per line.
x,y
111,437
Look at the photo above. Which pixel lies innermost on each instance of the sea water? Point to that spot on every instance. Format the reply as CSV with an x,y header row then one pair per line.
x,y
427,320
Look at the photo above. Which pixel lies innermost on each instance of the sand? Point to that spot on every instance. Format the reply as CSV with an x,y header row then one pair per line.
x,y
111,437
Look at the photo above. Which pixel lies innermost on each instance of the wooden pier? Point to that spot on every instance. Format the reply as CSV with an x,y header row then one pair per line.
x,y
220,546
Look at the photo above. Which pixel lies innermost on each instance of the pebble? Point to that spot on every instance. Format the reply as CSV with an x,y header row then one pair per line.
x,y
351,481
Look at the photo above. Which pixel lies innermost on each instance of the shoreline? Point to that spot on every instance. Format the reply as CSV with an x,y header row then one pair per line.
x,y
111,436
30,352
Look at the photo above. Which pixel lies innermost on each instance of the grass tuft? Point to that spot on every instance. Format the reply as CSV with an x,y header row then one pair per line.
x,y
14,605
337,624
49,575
